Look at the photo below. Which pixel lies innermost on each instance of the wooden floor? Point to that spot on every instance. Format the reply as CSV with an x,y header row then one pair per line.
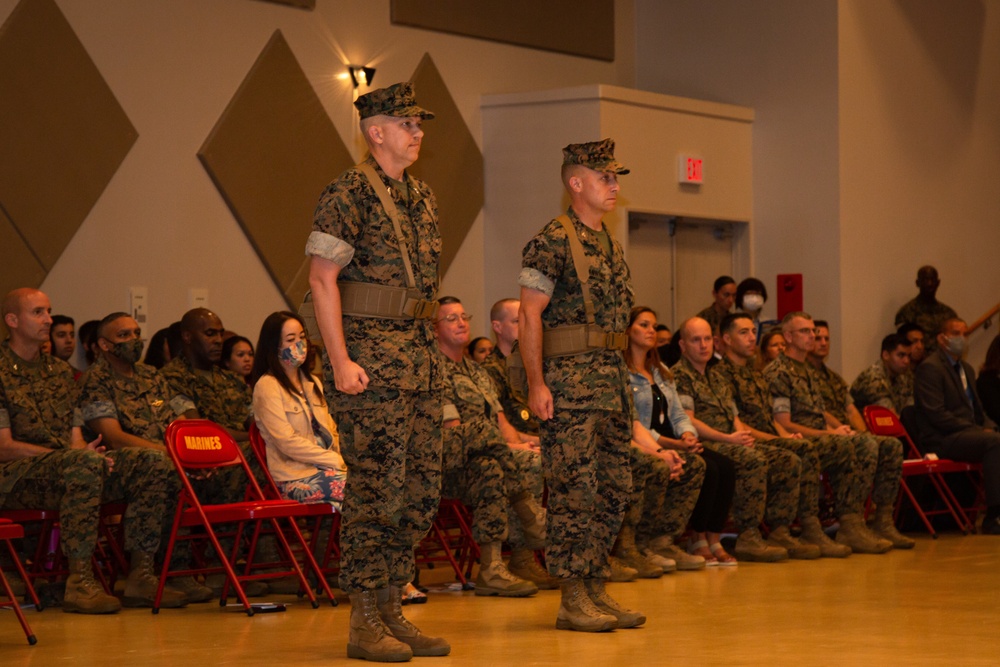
x,y
936,605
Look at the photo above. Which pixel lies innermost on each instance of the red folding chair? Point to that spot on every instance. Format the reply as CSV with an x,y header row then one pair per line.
x,y
10,531
199,446
882,421
330,564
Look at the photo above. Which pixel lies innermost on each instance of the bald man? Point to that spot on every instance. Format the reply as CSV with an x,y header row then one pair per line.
x,y
47,464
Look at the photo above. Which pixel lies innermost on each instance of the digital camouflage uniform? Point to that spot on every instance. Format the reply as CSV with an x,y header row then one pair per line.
x,y
753,400
478,465
874,386
929,316
513,400
390,434
586,445
217,394
659,505
711,315
767,477
889,469
795,389
37,402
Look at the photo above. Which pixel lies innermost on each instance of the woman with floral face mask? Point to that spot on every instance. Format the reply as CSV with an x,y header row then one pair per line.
x,y
303,452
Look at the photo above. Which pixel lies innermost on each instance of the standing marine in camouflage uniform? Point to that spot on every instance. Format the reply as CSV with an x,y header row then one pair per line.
x,y
889,381
753,400
798,407
577,383
924,309
128,405
478,463
767,477
374,274
48,465
889,468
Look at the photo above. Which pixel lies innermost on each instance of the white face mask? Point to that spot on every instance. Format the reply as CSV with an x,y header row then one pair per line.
x,y
753,302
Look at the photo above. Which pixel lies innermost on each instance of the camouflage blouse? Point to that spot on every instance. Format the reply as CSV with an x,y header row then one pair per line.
x,y
38,399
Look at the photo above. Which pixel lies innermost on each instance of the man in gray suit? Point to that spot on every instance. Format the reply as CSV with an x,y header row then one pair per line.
x,y
949,415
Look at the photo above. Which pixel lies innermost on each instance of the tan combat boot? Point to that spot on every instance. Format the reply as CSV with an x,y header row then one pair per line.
x,y
782,537
626,551
750,546
620,572
141,585
532,518
523,564
192,590
884,526
369,637
625,618
813,533
495,579
578,612
664,563
665,547
83,594
855,534
390,608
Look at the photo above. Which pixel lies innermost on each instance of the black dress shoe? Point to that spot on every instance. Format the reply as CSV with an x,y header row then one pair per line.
x,y
991,526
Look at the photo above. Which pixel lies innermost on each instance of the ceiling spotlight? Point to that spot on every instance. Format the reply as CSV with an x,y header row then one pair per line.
x,y
361,75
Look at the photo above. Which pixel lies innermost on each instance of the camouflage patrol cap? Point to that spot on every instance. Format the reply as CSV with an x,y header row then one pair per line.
x,y
395,100
597,155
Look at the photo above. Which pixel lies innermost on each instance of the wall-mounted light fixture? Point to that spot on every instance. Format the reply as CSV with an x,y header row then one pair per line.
x,y
361,75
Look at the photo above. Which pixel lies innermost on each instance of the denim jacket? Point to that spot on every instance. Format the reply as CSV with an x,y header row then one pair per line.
x,y
642,394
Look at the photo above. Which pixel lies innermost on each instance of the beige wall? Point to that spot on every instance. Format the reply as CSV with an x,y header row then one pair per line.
x,y
175,64
875,144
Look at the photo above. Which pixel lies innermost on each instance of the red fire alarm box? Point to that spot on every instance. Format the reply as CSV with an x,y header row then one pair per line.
x,y
789,293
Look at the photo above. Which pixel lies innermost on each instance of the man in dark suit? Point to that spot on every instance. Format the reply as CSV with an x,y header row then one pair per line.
x,y
949,415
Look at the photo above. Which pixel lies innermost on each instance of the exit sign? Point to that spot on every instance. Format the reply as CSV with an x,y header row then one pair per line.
x,y
690,169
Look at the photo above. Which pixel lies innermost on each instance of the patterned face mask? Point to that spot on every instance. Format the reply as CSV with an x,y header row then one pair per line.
x,y
293,355
129,351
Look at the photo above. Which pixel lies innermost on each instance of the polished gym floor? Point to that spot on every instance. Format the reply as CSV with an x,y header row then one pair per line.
x,y
935,605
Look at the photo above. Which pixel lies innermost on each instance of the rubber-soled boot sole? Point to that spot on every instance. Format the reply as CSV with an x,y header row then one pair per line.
x,y
358,653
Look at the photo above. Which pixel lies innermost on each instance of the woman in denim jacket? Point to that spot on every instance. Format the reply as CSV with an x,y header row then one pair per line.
x,y
659,410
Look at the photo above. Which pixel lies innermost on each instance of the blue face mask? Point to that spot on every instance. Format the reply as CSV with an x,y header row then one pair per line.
x,y
294,355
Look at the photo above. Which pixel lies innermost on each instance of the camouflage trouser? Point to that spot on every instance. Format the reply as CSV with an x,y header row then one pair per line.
x,y
838,457
888,471
585,455
767,484
75,482
529,466
391,442
473,474
659,505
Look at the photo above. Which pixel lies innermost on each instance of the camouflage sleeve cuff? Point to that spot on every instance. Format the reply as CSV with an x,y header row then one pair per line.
x,y
781,405
78,419
4,418
882,403
98,410
329,247
687,402
536,280
450,413
181,404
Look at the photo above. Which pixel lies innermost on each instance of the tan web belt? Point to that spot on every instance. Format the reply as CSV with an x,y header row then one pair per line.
x,y
398,303
580,338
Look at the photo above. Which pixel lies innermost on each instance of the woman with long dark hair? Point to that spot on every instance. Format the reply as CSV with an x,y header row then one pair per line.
x,y
303,452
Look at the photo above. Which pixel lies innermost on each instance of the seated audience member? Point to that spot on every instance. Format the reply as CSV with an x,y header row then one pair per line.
x,y
477,463
889,381
950,419
767,478
798,406
237,356
889,468
663,335
219,395
88,340
62,335
303,448
988,382
48,465
479,349
751,295
753,402
723,295
916,336
157,353
925,309
705,504
771,347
